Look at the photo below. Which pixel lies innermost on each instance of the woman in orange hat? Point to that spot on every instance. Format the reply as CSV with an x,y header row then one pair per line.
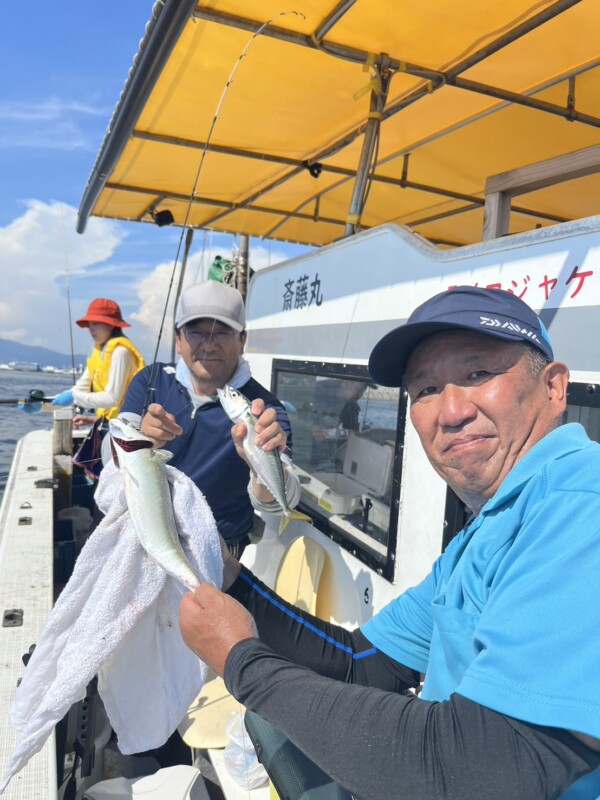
x,y
110,367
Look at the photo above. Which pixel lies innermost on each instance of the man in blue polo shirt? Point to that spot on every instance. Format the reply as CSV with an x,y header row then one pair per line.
x,y
504,628
185,416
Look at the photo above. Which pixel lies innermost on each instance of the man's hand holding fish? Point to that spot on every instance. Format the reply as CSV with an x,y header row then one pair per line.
x,y
212,622
160,426
268,435
260,442
178,406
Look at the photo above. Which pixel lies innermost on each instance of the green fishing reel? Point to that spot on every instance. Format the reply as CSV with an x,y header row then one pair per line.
x,y
36,396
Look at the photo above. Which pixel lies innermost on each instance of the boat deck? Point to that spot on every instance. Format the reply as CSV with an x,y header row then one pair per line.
x,y
26,583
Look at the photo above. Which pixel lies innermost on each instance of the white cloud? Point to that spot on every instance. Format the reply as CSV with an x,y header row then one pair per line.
x,y
63,135
153,288
38,251
51,124
49,109
152,292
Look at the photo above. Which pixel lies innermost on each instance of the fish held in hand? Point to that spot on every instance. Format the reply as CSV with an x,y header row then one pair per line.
x,y
267,465
149,499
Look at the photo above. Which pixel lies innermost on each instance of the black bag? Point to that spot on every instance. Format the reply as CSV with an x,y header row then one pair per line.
x,y
89,455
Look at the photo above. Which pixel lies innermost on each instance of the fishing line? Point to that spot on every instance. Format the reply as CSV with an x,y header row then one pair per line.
x,y
349,326
66,260
150,389
226,89
202,258
193,193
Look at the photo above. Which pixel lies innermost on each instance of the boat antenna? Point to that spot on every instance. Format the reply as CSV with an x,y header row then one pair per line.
x,y
66,261
192,197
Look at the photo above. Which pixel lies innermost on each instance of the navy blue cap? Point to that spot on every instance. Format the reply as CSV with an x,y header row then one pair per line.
x,y
493,312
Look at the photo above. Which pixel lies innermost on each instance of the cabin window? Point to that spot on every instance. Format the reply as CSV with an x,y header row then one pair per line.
x,y
345,431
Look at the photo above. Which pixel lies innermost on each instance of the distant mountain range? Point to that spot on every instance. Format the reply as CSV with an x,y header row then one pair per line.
x,y
14,351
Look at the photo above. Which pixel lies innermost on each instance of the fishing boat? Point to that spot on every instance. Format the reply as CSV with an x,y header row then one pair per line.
x,y
415,147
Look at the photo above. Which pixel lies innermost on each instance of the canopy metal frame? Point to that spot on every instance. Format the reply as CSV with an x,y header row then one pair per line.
x,y
167,27
499,189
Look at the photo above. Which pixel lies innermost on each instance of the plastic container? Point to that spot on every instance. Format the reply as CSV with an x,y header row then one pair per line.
x,y
81,519
240,757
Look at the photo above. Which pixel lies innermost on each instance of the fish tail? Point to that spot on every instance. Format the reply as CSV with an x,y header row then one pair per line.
x,y
283,523
289,515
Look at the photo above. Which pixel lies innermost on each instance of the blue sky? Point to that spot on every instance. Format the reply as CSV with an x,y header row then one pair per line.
x,y
64,65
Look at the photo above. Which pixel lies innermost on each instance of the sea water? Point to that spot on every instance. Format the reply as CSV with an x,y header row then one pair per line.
x,y
15,423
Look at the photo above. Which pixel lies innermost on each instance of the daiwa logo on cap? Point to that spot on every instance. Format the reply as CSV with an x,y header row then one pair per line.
x,y
488,322
490,312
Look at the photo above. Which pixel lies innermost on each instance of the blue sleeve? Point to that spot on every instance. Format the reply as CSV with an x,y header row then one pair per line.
x,y
135,398
537,637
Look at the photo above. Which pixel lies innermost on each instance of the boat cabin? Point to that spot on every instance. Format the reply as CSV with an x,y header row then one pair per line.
x,y
376,504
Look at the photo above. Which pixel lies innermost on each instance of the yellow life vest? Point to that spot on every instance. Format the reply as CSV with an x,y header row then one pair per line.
x,y
98,366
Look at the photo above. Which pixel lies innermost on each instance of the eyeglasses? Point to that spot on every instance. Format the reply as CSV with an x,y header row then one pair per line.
x,y
198,338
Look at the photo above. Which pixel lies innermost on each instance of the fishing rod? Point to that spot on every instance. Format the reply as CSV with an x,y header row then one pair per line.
x,y
184,229
33,396
66,260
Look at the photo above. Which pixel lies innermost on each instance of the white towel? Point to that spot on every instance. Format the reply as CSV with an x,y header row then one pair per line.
x,y
118,618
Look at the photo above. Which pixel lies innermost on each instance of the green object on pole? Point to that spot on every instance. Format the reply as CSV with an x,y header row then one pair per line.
x,y
220,269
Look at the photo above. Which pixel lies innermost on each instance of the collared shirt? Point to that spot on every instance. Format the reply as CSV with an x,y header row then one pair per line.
x,y
205,451
510,613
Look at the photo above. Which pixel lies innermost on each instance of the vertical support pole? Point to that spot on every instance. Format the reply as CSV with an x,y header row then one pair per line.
x,y
377,102
496,214
62,433
242,265
62,449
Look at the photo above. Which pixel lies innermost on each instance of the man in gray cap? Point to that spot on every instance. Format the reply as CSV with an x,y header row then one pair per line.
x,y
505,627
185,416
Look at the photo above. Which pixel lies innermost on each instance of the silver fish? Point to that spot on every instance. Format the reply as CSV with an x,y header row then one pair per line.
x,y
149,499
267,466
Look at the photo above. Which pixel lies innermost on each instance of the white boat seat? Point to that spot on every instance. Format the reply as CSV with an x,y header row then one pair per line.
x,y
204,726
299,573
171,783
367,469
